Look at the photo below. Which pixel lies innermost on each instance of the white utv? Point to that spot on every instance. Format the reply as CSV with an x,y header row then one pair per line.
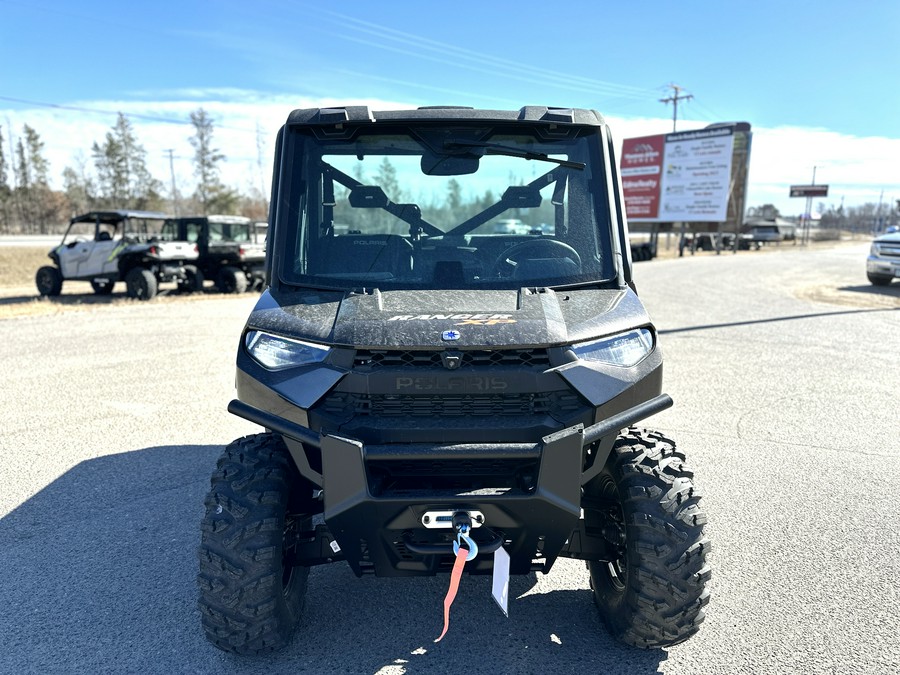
x,y
103,247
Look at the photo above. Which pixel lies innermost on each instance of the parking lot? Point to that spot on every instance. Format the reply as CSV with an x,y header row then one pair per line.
x,y
785,371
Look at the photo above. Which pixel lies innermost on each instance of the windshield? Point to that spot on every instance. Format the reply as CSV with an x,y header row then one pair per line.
x,y
436,208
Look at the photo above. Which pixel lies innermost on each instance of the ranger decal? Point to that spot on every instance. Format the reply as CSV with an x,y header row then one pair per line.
x,y
476,319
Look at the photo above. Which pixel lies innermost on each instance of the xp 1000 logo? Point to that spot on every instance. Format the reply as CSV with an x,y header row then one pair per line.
x,y
460,319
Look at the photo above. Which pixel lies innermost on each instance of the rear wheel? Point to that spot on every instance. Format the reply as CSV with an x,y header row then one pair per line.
x,y
193,280
140,284
251,594
231,280
653,593
48,281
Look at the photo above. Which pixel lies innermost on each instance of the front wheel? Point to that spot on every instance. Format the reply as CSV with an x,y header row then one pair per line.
x,y
231,280
653,593
48,281
251,594
879,279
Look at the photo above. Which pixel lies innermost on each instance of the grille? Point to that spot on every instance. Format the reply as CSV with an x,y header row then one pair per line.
x,y
489,477
889,250
383,358
417,468
459,405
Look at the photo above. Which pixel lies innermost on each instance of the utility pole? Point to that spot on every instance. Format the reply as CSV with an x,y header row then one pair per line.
x,y
674,100
172,172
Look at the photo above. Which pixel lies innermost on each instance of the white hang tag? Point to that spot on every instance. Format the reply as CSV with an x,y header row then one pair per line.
x,y
500,585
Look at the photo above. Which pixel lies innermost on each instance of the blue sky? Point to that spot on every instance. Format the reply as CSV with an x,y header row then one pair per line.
x,y
818,82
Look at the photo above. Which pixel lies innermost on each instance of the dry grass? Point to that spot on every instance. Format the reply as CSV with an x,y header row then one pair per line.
x,y
18,264
19,296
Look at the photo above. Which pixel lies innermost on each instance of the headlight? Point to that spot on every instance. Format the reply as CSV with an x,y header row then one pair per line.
x,y
626,350
277,353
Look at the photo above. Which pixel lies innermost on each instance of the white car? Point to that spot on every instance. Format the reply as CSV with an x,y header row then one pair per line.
x,y
883,263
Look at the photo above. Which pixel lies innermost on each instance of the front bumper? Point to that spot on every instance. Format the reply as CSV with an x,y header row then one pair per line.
x,y
375,496
882,266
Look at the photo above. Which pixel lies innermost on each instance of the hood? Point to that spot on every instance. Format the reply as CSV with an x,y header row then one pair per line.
x,y
892,238
449,319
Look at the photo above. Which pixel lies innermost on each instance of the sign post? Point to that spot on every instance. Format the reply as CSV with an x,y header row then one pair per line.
x,y
808,191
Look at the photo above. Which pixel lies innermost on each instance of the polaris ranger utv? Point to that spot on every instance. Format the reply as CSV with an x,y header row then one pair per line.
x,y
435,387
229,252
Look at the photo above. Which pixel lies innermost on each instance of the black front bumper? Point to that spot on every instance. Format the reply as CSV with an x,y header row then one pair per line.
x,y
375,496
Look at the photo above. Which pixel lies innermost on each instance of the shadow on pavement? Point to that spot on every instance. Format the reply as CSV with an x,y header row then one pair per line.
x,y
892,291
99,576
774,319
71,299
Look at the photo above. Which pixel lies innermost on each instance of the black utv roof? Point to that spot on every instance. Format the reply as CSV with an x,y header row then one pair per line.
x,y
115,216
362,114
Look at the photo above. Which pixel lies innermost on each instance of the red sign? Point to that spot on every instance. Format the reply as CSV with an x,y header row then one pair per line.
x,y
641,170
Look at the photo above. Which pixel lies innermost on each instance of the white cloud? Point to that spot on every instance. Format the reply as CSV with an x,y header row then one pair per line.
x,y
245,126
857,169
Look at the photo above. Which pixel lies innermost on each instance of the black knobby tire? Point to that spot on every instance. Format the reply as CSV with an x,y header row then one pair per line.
x,y
140,284
48,281
231,280
250,597
193,280
654,594
103,289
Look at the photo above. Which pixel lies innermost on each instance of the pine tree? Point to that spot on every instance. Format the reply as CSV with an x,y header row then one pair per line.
x,y
122,174
5,189
37,205
211,193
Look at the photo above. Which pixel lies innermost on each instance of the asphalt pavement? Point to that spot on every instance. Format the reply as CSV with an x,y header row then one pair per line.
x,y
785,370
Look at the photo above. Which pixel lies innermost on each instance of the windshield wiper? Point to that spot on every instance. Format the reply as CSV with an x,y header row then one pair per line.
x,y
497,149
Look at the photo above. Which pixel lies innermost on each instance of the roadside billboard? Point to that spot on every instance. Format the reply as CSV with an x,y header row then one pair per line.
x,y
684,176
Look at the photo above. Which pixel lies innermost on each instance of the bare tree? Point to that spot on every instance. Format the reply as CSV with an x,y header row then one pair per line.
x,y
79,186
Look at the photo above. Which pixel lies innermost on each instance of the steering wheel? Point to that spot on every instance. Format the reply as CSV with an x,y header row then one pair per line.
x,y
554,248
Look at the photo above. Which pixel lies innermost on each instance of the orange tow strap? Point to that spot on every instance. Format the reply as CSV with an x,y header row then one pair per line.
x,y
455,576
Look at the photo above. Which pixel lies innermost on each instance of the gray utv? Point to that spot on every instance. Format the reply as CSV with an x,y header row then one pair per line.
x,y
432,379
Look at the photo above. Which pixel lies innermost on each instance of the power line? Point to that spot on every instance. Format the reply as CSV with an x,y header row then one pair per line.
x,y
408,44
674,100
98,111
